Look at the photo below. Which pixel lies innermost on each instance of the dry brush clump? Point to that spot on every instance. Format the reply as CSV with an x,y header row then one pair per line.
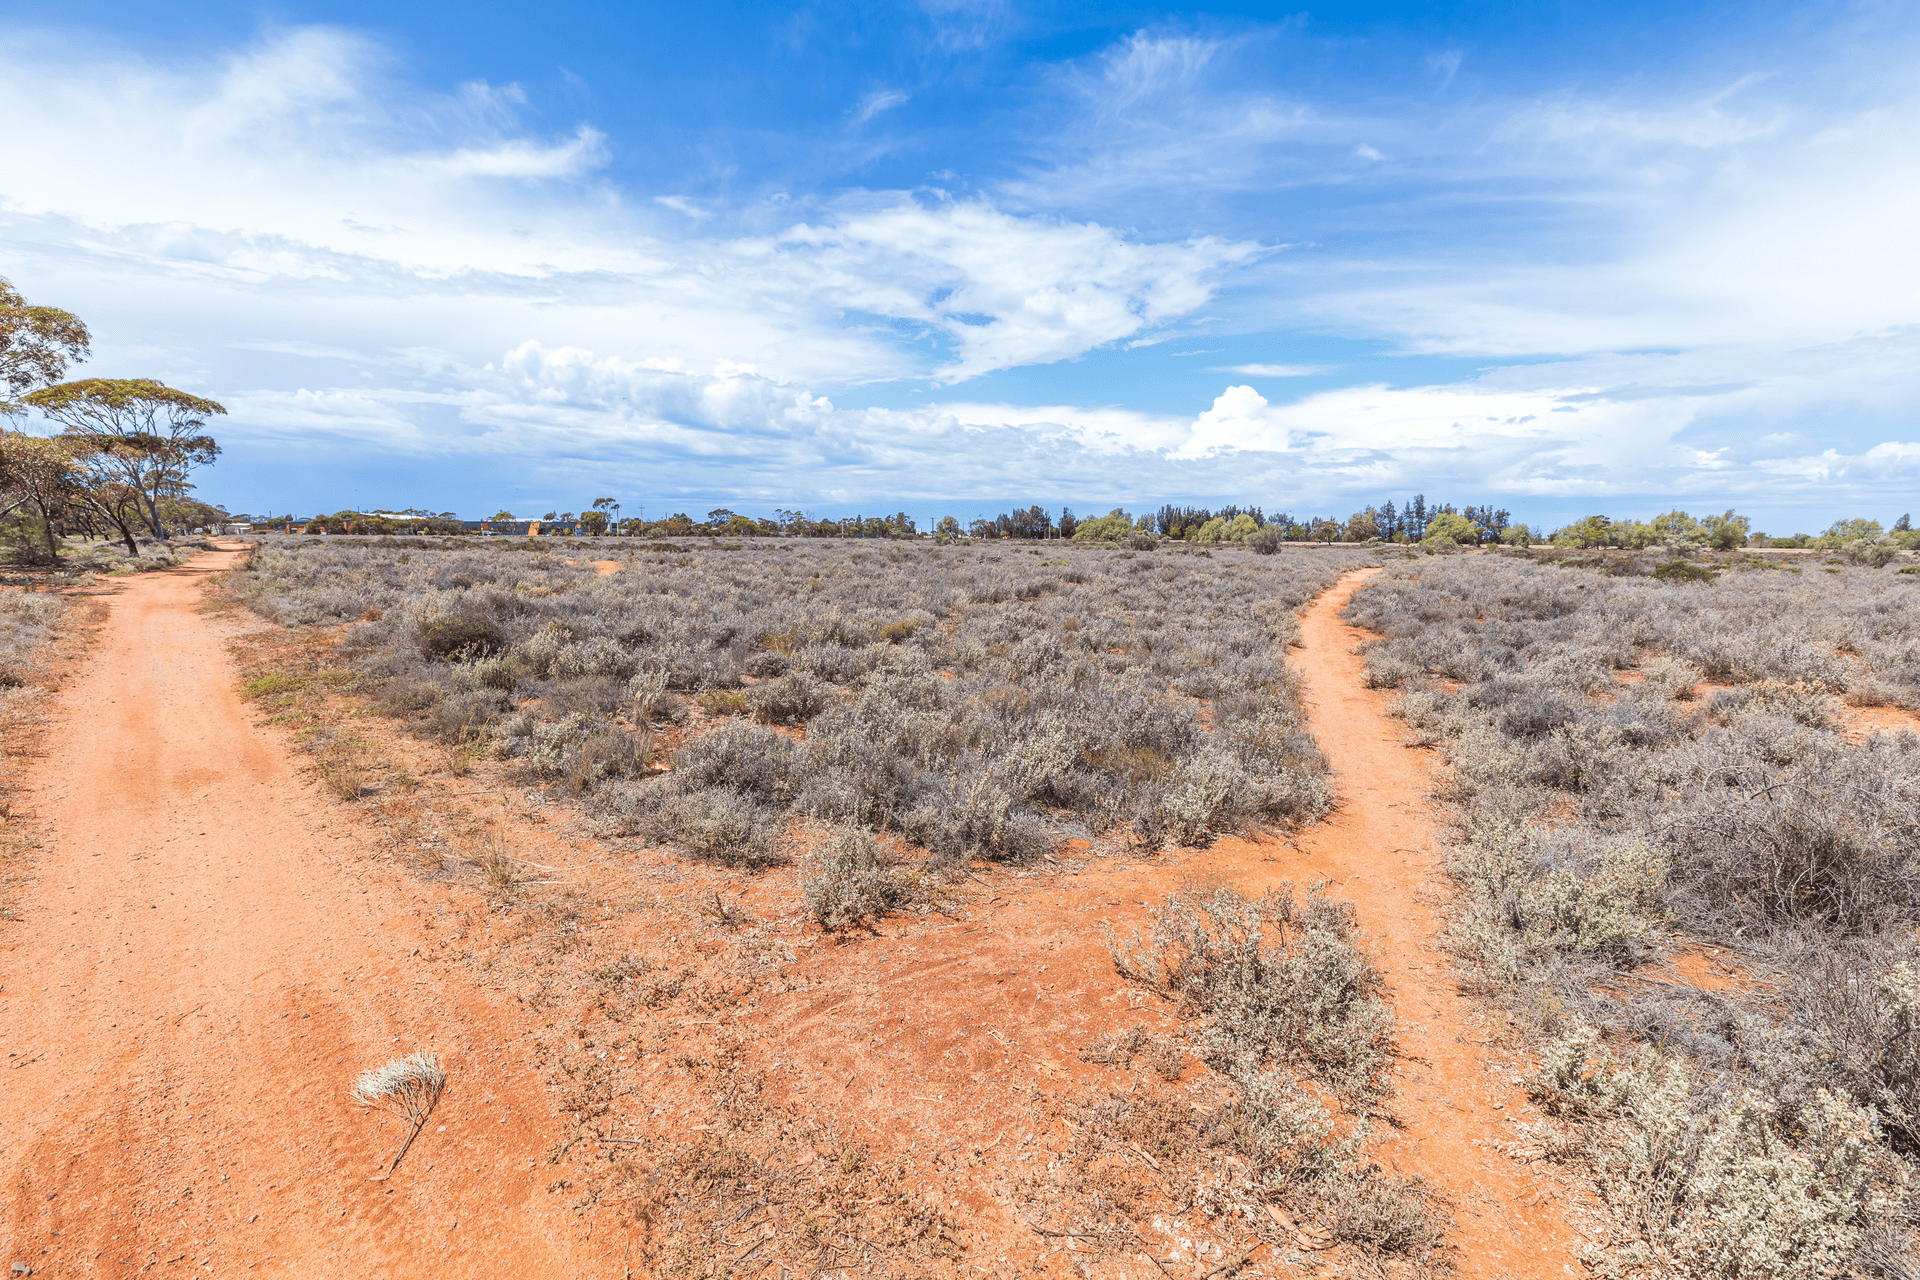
x,y
975,703
28,620
1291,1013
1605,823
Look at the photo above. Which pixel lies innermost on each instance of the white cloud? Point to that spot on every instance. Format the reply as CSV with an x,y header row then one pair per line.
x,y
518,158
680,204
296,181
1588,431
1160,120
1275,370
874,103
355,254
1729,219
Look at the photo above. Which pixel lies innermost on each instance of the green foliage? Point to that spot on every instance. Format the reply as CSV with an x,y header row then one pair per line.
x,y
1841,532
1267,541
36,344
1874,553
1112,527
1214,530
1594,531
1675,530
1448,529
273,685
1723,532
124,400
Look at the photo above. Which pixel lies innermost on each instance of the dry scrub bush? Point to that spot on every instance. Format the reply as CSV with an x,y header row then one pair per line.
x,y
1281,994
27,620
980,703
1600,822
1714,1180
853,886
1276,982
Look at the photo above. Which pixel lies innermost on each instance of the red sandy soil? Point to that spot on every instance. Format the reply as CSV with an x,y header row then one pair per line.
x,y
210,955
1863,722
199,972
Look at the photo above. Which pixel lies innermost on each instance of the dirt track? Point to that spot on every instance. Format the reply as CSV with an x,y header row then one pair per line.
x,y
201,968
205,962
1378,849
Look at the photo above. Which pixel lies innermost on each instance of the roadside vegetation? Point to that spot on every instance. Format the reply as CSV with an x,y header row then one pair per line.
x,y
31,623
1693,878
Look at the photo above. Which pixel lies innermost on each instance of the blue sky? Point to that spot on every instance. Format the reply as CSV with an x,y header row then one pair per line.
x,y
944,256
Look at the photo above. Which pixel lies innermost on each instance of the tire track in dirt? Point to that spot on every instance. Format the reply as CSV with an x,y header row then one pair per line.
x,y
1378,849
202,964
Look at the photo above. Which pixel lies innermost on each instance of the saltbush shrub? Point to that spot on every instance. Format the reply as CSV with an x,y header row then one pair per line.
x,y
452,638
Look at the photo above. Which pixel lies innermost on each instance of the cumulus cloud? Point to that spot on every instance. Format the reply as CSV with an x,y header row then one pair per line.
x,y
1001,290
1586,432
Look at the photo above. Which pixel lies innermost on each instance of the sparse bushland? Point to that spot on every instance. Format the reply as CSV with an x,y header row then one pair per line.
x,y
1607,828
28,621
980,704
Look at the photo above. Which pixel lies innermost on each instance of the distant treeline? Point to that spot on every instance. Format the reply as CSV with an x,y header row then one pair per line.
x,y
1411,521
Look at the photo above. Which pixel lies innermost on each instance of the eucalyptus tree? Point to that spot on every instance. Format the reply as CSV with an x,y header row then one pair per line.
x,y
36,345
141,433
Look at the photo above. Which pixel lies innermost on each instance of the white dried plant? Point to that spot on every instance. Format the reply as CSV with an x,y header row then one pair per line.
x,y
408,1088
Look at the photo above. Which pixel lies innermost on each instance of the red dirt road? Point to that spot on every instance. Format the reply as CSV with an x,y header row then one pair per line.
x,y
200,969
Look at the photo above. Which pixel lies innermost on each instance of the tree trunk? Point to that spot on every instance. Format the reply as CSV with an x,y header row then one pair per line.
x,y
152,513
46,529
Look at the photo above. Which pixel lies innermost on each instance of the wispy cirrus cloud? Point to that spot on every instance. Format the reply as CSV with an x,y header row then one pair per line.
x,y
1274,370
872,104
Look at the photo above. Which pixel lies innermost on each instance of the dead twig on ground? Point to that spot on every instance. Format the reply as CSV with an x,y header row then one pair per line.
x,y
408,1087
